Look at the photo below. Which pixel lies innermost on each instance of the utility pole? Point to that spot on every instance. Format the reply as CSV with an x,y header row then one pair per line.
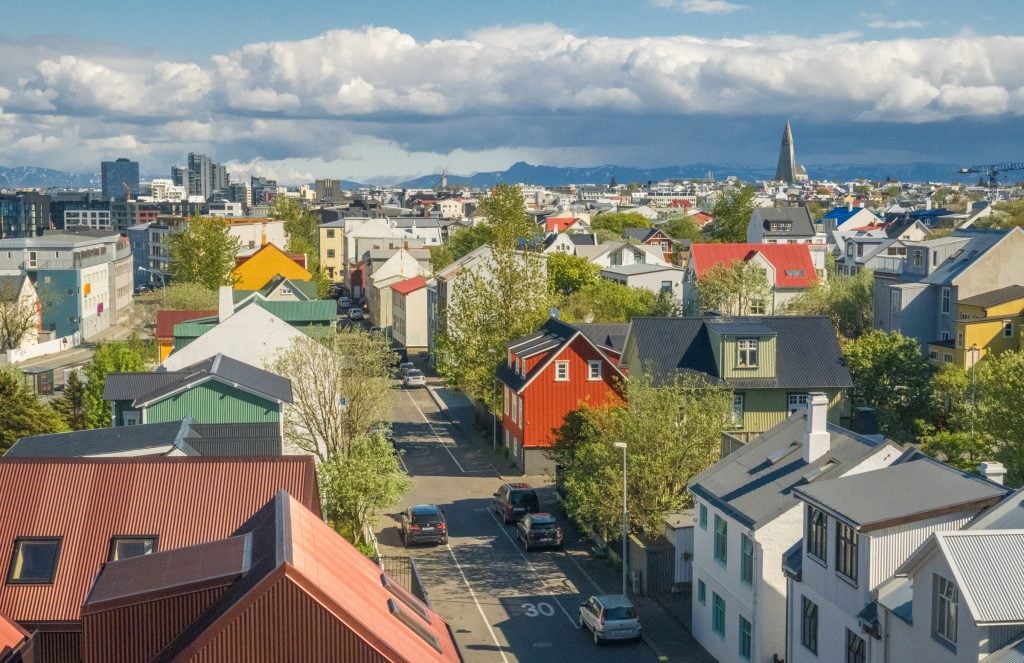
x,y
625,516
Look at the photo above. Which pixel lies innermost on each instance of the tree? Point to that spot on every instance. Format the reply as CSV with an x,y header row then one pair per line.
x,y
1000,415
204,253
18,316
112,357
890,374
568,273
355,486
617,222
608,301
175,297
952,399
459,244
845,299
303,230
672,432
22,413
961,449
683,228
738,288
71,404
341,387
732,212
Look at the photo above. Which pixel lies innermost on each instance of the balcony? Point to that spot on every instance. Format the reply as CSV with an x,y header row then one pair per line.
x,y
889,264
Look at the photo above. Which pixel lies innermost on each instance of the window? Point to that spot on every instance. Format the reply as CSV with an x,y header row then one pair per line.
x,y
945,300
330,233
702,592
414,624
846,551
757,307
34,561
504,393
745,630
562,371
519,400
809,625
944,607
746,559
131,418
856,648
960,338
123,547
747,349
944,336
721,539
947,358
330,253
817,534
917,258
1007,328
718,614
594,369
796,402
894,301
406,597
666,286
703,511
515,416
737,410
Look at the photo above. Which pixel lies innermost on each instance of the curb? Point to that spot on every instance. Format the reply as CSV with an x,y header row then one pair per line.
x,y
444,408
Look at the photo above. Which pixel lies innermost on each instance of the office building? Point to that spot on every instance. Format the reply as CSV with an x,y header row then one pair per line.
x,y
119,179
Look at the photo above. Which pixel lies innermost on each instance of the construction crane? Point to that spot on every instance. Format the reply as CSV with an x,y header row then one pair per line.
x,y
993,171
127,192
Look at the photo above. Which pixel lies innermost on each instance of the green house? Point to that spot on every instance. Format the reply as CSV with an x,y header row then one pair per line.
x,y
217,390
314,317
770,362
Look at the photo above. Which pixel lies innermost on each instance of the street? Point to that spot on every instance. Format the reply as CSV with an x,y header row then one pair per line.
x,y
502,604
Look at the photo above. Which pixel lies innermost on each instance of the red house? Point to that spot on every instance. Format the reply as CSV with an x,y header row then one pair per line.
x,y
549,374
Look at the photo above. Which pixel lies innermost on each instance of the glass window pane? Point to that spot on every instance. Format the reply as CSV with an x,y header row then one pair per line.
x,y
125,547
34,561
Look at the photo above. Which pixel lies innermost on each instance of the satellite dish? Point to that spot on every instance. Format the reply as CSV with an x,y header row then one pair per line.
x,y
554,313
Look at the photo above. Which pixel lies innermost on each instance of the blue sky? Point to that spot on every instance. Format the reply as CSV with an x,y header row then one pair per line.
x,y
395,88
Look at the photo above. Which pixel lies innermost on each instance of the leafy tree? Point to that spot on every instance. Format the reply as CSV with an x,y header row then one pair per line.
x,y
682,227
738,288
617,222
952,399
112,357
961,449
845,299
22,413
459,244
204,252
608,301
890,374
17,317
999,410
175,297
568,273
1004,215
355,366
672,432
303,230
732,212
71,404
356,485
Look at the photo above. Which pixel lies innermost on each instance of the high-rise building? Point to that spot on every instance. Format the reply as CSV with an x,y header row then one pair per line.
x,y
118,178
24,214
328,191
179,176
200,175
239,192
263,190
789,170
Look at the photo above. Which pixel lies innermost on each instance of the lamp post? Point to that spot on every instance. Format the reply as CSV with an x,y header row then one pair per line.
x,y
625,521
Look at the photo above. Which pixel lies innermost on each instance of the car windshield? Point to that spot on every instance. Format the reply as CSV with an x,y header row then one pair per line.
x,y
413,373
542,526
522,498
425,518
620,612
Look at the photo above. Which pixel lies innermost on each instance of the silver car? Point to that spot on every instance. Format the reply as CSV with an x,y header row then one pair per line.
x,y
414,378
610,617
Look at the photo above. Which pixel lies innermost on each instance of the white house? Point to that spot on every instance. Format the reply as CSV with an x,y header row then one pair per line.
x,y
656,278
747,518
401,265
615,254
409,314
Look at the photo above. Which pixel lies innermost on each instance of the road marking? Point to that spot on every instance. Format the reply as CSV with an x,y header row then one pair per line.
x,y
478,606
585,574
444,444
401,459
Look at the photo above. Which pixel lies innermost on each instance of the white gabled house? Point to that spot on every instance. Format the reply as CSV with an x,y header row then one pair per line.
x,y
747,518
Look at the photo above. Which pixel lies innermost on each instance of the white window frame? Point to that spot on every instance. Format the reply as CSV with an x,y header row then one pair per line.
x,y
795,402
520,399
593,369
738,403
561,371
945,301
504,393
1007,328
744,348
945,600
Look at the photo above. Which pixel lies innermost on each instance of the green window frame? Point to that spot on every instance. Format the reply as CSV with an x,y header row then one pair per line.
x,y
746,559
718,614
746,631
703,517
721,540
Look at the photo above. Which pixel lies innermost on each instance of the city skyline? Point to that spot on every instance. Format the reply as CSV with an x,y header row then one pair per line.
x,y
464,89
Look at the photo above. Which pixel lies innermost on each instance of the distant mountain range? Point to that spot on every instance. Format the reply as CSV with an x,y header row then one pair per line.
x,y
24,176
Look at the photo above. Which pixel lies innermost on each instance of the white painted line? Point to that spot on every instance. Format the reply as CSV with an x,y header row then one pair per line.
x,y
479,608
401,459
585,574
444,444
575,622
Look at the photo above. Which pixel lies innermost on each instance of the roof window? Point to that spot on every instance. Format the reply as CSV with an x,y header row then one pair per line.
x,y
795,272
406,597
818,471
413,624
781,453
123,547
34,561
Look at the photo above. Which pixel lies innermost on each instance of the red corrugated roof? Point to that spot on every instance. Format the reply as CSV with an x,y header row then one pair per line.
x,y
165,321
86,501
795,258
11,635
409,285
559,224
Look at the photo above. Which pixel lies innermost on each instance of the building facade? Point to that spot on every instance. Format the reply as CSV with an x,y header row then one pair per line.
x,y
119,179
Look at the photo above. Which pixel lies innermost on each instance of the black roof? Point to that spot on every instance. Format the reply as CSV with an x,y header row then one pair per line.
x,y
583,239
995,297
608,335
639,234
162,438
799,219
250,439
807,350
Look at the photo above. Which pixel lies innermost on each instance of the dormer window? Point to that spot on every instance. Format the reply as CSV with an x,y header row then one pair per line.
x,y
746,352
123,547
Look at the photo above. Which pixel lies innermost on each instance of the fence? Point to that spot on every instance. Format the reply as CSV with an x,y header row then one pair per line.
x,y
45,348
404,571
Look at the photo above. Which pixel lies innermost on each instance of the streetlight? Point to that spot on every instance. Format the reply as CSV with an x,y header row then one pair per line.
x,y
625,521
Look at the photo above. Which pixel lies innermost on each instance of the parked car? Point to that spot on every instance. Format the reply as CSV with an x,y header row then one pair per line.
x,y
374,329
344,302
610,617
355,314
515,500
423,523
414,378
539,530
405,367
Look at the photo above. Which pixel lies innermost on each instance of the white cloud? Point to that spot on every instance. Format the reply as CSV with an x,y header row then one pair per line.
x,y
883,24
700,6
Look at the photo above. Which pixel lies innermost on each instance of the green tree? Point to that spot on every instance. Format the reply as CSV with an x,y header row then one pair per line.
x,y
22,413
961,449
112,357
890,374
71,404
732,212
175,297
303,230
952,399
845,299
357,485
683,228
18,317
204,253
738,288
1000,415
568,273
617,222
672,432
608,301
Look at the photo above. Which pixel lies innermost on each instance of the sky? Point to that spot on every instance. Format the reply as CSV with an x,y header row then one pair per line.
x,y
396,88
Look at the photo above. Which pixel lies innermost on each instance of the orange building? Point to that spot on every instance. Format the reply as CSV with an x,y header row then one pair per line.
x,y
253,272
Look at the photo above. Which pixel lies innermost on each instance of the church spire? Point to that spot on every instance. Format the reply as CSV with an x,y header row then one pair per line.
x,y
787,169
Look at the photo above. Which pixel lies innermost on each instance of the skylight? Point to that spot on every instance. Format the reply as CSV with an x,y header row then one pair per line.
x,y
781,453
406,597
414,625
818,471
796,272
34,561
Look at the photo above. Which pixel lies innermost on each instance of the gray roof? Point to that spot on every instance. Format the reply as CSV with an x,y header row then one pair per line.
x,y
158,439
897,595
988,568
915,487
10,285
249,439
642,268
799,217
995,297
807,354
980,241
755,483
640,234
1011,653
1008,514
145,388
610,335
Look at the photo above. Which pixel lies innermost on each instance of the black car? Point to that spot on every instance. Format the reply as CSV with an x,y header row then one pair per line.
x,y
423,523
539,530
515,500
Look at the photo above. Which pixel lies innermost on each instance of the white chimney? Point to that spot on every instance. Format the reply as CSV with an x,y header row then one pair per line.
x,y
927,203
993,471
816,437
225,303
849,205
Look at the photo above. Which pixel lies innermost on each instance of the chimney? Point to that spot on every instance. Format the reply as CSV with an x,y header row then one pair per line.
x,y
927,203
816,437
849,205
225,303
993,471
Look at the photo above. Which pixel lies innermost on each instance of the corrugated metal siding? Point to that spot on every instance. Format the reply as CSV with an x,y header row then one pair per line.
x,y
765,359
766,408
990,570
891,547
57,647
152,626
87,500
214,402
282,624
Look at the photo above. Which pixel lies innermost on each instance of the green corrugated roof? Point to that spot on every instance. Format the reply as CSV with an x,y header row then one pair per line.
x,y
321,311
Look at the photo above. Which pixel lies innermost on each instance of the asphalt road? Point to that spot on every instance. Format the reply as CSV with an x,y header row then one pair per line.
x,y
502,604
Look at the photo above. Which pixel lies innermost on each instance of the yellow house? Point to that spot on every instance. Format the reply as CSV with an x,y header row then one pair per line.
x,y
332,250
253,272
989,322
